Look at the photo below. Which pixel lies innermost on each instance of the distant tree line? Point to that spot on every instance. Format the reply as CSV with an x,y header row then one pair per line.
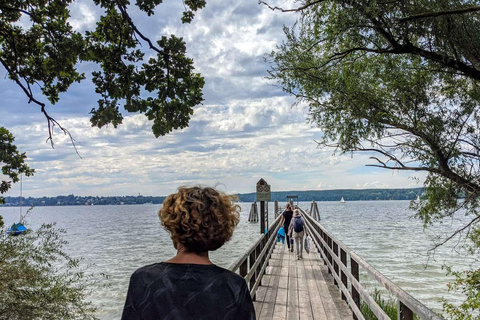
x,y
317,195
336,195
72,200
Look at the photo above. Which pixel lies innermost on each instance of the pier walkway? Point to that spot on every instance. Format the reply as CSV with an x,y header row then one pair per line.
x,y
298,289
324,285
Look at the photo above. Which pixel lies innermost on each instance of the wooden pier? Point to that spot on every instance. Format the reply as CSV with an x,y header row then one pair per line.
x,y
298,289
324,285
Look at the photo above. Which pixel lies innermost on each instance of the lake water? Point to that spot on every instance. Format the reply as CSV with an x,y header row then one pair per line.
x,y
116,240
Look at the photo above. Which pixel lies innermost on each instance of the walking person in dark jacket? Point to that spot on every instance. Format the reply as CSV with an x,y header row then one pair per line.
x,y
189,285
286,219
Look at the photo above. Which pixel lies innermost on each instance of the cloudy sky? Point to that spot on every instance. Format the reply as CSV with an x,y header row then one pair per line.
x,y
246,128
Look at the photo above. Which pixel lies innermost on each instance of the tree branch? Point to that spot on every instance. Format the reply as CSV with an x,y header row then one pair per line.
x,y
291,10
50,121
460,230
409,48
440,13
22,11
126,16
402,168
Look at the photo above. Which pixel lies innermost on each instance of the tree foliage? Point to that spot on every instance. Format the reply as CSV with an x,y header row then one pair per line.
x,y
46,53
12,161
43,55
38,280
468,283
399,80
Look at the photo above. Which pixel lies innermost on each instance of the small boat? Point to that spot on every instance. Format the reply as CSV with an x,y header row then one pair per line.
x,y
342,201
17,229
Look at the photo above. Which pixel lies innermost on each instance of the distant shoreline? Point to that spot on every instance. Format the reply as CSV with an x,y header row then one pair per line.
x,y
308,195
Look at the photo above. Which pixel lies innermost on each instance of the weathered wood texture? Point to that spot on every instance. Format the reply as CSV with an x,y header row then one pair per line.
x,y
298,289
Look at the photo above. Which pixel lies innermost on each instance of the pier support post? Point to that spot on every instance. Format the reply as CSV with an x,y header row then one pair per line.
x,y
314,213
317,212
253,217
251,213
275,207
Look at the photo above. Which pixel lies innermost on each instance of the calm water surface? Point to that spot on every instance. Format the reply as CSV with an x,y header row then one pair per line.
x,y
116,240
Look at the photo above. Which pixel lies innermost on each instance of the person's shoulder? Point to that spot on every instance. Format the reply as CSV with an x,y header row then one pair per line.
x,y
231,276
153,268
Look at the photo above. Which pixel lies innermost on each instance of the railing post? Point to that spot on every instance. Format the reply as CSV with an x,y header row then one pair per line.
x,y
355,273
343,258
324,237
252,259
335,264
265,256
404,313
330,259
258,250
243,270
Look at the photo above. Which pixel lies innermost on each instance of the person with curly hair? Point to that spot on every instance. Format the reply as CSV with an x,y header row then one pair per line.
x,y
189,285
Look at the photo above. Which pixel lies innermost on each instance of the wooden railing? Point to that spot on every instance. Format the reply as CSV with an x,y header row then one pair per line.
x,y
251,266
345,265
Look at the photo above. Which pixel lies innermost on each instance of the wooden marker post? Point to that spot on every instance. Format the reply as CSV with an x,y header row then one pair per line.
x,y
263,194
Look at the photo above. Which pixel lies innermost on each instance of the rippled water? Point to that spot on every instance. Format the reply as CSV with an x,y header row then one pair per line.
x,y
116,240
385,234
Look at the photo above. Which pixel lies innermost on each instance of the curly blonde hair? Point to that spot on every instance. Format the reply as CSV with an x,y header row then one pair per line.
x,y
201,219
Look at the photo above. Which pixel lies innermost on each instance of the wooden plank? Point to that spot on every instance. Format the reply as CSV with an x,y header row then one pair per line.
x,y
336,296
298,290
304,300
292,296
317,307
262,290
280,309
271,293
261,295
322,288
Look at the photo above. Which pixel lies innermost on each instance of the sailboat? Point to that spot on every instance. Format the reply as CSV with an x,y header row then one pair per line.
x,y
342,201
18,228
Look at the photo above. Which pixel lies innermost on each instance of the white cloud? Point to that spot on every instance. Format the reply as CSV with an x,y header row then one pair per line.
x,y
246,128
82,15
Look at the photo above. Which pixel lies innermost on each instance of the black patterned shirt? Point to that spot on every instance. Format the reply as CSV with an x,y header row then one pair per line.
x,y
187,291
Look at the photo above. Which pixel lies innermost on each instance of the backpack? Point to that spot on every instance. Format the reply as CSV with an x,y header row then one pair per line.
x,y
298,225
